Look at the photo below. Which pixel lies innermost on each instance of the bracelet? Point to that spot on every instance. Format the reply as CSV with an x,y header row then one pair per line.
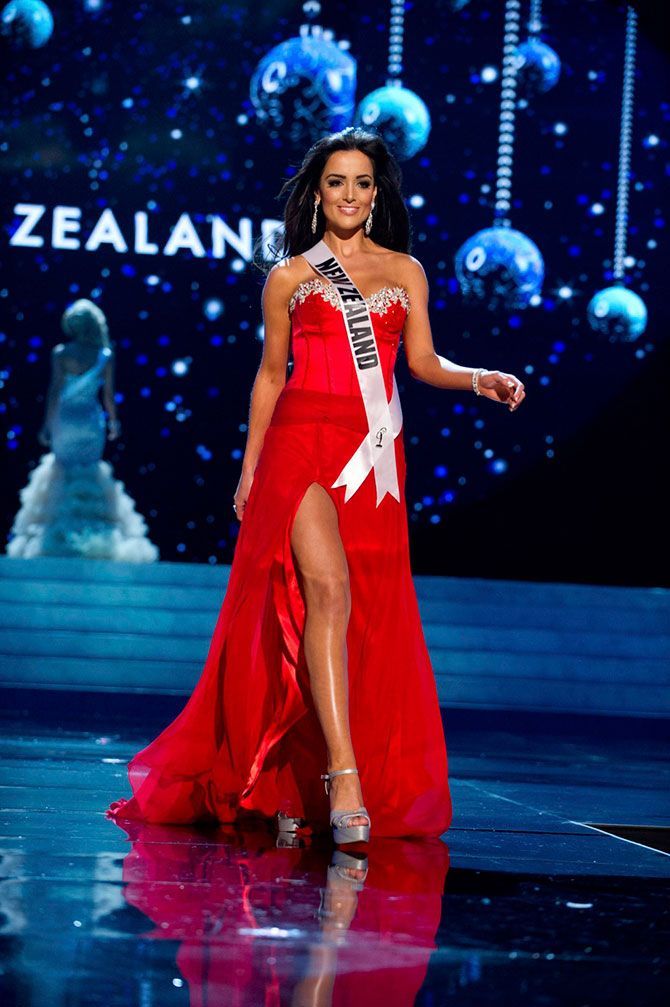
x,y
476,374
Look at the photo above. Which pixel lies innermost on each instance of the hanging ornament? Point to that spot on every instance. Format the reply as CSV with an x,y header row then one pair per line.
x,y
499,266
396,113
615,311
27,23
539,66
305,87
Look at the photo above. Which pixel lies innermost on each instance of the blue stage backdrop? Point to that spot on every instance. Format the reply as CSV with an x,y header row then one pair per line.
x,y
143,146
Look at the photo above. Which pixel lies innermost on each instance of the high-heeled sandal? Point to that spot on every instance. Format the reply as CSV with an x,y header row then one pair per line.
x,y
347,833
339,870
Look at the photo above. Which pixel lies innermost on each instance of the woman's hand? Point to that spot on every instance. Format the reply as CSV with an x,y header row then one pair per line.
x,y
113,430
242,493
44,437
502,387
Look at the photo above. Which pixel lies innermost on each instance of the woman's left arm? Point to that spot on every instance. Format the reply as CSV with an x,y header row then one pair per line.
x,y
109,401
53,392
428,366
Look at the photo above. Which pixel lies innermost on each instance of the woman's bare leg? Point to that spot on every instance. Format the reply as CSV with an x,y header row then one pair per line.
x,y
322,565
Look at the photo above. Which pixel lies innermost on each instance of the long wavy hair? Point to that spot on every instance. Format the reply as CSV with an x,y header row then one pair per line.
x,y
390,220
85,322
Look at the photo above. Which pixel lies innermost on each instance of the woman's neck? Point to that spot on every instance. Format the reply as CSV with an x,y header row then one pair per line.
x,y
345,245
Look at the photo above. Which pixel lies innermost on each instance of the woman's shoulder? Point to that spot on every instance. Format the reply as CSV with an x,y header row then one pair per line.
x,y
406,268
285,276
406,261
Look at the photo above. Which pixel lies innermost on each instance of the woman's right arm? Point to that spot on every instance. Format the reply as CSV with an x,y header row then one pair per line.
x,y
271,376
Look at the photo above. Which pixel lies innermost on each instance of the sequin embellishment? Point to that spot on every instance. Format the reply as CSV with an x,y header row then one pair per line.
x,y
379,302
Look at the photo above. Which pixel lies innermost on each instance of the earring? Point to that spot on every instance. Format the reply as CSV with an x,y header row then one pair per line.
x,y
316,206
368,222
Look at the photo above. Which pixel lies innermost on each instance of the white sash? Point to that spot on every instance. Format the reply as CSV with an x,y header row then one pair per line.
x,y
377,450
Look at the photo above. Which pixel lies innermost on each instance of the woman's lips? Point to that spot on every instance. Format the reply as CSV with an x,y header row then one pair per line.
x,y
349,210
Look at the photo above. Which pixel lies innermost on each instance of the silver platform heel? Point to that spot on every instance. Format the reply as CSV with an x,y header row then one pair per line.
x,y
346,833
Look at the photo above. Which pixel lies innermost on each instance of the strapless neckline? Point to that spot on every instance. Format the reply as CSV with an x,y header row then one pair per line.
x,y
379,302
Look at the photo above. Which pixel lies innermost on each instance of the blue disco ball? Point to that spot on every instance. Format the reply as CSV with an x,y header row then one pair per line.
x,y
399,116
27,23
305,87
538,67
500,267
618,313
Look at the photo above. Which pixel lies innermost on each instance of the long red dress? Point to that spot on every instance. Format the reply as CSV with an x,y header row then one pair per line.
x,y
248,739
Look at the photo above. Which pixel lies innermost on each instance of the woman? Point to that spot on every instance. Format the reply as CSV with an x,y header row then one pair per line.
x,y
72,505
318,660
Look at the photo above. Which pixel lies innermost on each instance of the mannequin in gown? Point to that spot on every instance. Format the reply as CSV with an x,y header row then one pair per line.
x,y
72,504
248,740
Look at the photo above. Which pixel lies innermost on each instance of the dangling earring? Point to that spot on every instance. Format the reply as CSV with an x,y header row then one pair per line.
x,y
316,207
368,222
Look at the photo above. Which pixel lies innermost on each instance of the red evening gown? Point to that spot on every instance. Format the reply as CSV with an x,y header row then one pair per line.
x,y
248,739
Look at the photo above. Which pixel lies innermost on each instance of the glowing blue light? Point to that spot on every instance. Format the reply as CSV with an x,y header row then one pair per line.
x,y
560,129
651,141
213,308
399,115
416,201
27,23
539,66
500,266
565,293
192,83
596,209
304,87
618,313
440,471
489,74
181,367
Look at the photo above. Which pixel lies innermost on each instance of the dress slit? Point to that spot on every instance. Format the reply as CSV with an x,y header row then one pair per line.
x,y
223,755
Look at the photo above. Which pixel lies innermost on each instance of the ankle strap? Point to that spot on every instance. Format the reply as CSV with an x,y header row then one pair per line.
x,y
335,772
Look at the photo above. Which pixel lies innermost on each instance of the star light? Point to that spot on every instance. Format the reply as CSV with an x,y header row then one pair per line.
x,y
181,367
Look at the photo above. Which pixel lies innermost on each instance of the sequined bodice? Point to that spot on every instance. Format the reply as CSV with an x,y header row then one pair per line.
x,y
322,358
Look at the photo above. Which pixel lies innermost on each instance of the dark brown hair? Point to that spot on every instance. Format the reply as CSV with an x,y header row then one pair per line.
x,y
390,220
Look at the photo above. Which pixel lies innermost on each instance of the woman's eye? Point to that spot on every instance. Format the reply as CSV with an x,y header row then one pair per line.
x,y
337,181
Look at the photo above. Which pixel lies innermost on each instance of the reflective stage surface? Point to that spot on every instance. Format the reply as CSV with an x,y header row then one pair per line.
x,y
524,905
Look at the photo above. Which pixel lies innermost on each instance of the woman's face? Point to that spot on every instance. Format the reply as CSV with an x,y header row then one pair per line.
x,y
347,189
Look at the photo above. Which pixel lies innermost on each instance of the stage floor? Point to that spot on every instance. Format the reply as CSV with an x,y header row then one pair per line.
x,y
520,903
